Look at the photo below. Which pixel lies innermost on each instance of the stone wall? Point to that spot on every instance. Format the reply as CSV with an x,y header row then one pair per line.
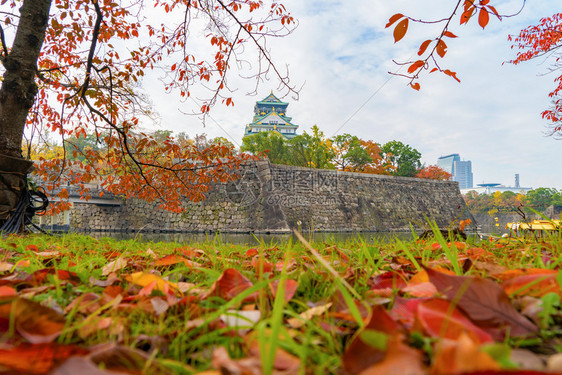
x,y
275,198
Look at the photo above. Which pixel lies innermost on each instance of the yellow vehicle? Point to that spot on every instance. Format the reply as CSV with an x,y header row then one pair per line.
x,y
534,228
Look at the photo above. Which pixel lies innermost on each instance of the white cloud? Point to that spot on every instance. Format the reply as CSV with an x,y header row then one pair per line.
x,y
342,53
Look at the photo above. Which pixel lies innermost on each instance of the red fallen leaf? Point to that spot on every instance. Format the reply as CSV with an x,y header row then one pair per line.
x,y
510,274
36,323
360,355
261,264
340,309
191,253
534,285
38,358
40,276
113,290
251,253
290,288
477,253
404,310
484,301
399,359
439,318
6,291
230,284
32,248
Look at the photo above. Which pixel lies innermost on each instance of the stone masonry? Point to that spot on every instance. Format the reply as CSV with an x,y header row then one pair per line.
x,y
276,198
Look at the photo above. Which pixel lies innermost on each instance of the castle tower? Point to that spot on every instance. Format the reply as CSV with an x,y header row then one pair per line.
x,y
270,115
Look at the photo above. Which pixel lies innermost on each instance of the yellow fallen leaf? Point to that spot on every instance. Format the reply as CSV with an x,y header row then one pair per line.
x,y
308,314
143,279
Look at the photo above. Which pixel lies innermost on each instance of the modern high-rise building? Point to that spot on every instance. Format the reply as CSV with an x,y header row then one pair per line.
x,y
461,170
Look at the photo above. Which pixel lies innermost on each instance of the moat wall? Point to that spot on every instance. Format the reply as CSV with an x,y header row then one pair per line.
x,y
276,198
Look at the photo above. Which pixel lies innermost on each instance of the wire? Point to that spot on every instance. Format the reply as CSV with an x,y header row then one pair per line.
x,y
31,203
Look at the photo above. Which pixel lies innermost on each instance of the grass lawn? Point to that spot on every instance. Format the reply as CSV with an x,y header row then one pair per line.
x,y
76,304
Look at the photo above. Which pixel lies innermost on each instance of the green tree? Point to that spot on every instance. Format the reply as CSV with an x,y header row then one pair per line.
x,y
273,144
78,146
313,151
405,159
539,199
350,154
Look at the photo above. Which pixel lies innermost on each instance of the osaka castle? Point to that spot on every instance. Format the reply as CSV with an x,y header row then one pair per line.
x,y
270,115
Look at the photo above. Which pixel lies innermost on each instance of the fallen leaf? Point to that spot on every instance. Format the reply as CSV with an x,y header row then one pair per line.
x,y
124,359
398,359
360,354
38,358
5,266
144,279
6,291
36,323
230,284
305,316
241,318
484,301
82,366
534,285
284,361
440,318
290,288
114,265
172,259
461,356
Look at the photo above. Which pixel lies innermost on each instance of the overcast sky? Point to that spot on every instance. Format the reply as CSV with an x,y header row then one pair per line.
x,y
341,55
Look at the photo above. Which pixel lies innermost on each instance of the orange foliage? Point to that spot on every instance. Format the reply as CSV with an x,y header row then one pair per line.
x,y
94,54
378,164
433,172
537,41
438,46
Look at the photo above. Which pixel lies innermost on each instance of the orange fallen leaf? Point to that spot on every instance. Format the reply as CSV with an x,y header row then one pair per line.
x,y
38,358
36,323
461,356
398,359
534,285
144,279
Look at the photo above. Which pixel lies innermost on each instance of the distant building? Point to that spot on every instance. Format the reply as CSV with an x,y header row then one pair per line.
x,y
493,187
270,115
461,170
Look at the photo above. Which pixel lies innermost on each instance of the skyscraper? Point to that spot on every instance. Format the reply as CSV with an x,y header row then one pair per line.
x,y
461,170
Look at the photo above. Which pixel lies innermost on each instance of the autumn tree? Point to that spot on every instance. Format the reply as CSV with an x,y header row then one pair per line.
x,y
350,155
433,172
378,164
544,41
74,66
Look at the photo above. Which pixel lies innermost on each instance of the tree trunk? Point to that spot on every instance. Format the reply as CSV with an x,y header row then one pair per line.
x,y
17,95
